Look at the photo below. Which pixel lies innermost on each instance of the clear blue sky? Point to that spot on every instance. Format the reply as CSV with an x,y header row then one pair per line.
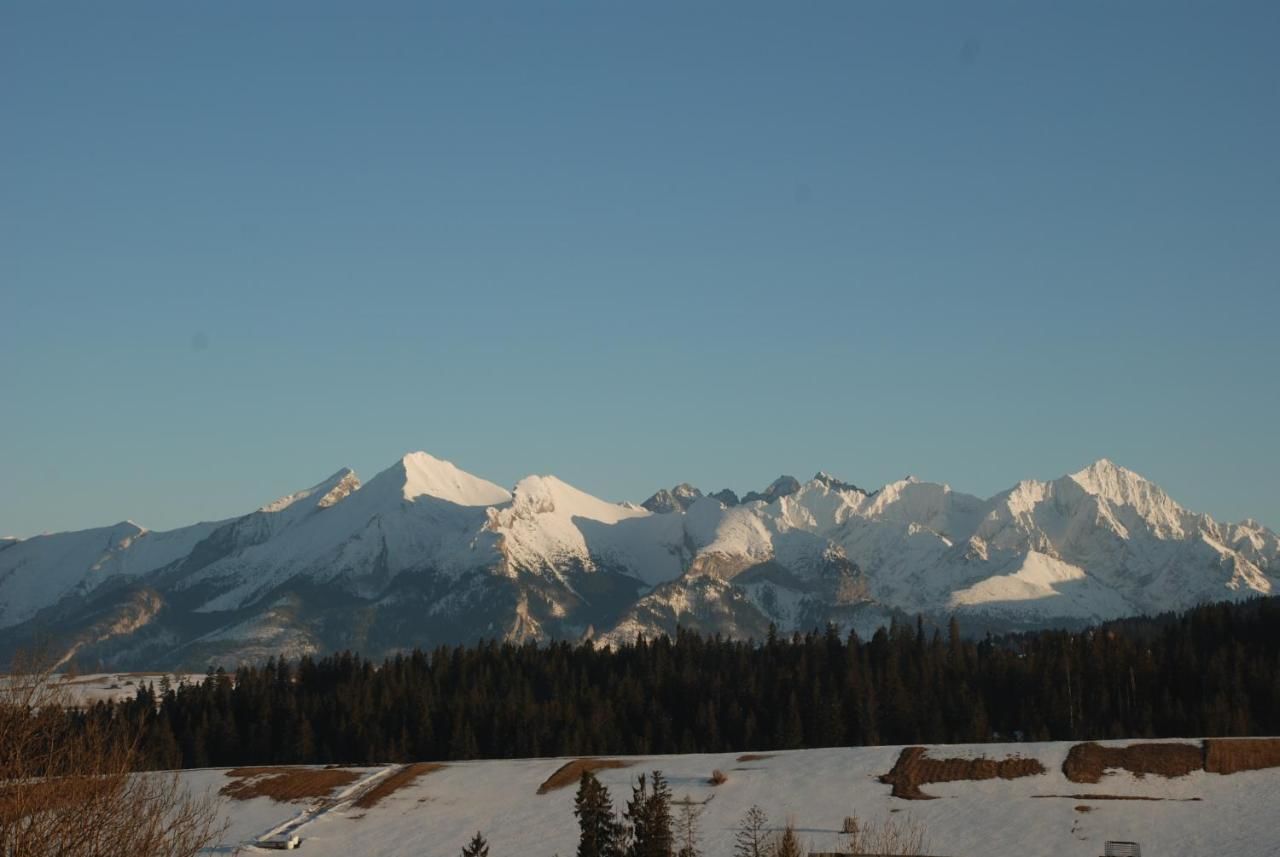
x,y
243,244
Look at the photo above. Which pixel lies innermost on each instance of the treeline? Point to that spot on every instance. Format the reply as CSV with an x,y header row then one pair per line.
x,y
1213,671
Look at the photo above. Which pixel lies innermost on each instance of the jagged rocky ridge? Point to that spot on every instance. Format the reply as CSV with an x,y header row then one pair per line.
x,y
425,553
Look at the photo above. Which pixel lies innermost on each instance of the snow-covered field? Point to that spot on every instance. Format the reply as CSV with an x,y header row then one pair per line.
x,y
97,687
1199,814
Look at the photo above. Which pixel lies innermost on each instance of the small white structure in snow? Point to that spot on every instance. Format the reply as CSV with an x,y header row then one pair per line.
x,y
284,842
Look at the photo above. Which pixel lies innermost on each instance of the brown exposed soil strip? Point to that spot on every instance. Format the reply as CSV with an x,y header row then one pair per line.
x,y
1232,755
913,769
286,784
392,783
1119,797
1086,763
754,757
570,772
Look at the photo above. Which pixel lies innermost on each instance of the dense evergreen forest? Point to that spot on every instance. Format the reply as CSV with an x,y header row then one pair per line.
x,y
1212,671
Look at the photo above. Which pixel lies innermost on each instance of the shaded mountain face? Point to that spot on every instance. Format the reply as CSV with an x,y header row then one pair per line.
x,y
783,486
726,496
678,498
425,553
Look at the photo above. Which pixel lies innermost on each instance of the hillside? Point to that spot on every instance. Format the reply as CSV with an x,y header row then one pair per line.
x,y
1043,815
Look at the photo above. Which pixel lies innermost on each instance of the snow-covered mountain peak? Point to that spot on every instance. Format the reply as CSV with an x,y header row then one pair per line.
x,y
421,475
1108,480
548,494
930,504
895,492
1105,474
1122,488
892,490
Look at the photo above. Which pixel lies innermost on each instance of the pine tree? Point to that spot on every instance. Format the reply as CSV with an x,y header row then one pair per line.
x,y
751,839
477,847
648,816
788,844
790,735
601,834
635,815
662,842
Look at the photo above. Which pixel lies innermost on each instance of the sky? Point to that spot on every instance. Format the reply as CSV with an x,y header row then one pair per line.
x,y
244,244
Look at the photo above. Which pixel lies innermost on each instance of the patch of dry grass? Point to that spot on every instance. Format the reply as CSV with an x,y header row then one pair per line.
x,y
754,757
570,772
392,783
285,785
914,769
1231,755
50,795
1087,763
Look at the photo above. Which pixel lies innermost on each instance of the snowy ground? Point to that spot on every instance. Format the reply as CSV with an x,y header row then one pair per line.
x,y
817,788
94,687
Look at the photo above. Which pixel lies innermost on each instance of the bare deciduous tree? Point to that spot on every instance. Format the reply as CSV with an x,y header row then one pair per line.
x,y
892,837
688,836
752,838
68,785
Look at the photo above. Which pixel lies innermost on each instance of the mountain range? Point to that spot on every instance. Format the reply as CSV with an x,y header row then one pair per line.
x,y
426,554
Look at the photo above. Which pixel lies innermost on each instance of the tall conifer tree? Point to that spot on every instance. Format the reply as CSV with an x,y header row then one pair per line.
x,y
600,832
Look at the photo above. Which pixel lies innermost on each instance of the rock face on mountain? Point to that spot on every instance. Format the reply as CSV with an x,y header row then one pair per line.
x,y
425,553
677,499
783,486
726,496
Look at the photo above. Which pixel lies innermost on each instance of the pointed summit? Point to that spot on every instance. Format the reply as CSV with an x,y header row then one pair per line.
x,y
1105,478
1101,466
1120,486
783,486
421,475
